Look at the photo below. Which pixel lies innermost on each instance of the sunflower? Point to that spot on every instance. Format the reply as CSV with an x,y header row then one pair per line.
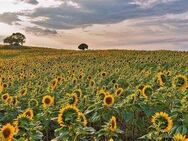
x,y
29,113
113,124
47,101
101,94
33,103
5,97
146,91
161,79
78,92
111,139
82,118
7,132
91,83
162,121
73,99
118,91
53,84
180,82
23,92
68,115
108,100
179,137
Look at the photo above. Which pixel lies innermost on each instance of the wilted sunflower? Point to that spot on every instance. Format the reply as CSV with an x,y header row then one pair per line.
x,y
180,82
7,132
108,100
29,113
47,101
179,137
118,91
162,122
82,118
113,124
67,115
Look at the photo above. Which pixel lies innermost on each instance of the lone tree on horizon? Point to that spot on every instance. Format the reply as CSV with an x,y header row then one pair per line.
x,y
15,40
83,46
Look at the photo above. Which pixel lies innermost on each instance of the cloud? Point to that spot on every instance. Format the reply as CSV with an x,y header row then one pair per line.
x,y
9,18
83,13
150,3
40,31
33,2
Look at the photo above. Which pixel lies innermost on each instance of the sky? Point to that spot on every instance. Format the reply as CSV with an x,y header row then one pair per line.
x,y
102,24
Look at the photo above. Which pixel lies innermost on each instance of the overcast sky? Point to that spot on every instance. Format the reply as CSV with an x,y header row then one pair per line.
x,y
102,24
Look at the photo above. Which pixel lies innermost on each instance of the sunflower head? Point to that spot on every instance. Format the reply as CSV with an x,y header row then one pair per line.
x,y
161,79
68,115
28,113
5,97
73,99
162,122
91,83
47,101
108,100
82,118
113,124
180,82
179,137
23,92
7,132
119,91
147,91
101,94
78,92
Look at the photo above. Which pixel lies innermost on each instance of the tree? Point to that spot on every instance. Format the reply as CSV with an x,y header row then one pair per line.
x,y
16,39
83,46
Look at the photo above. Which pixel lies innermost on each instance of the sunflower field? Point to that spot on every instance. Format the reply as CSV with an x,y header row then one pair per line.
x,y
112,95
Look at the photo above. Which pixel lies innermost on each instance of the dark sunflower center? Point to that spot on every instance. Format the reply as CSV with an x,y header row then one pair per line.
x,y
108,100
47,101
5,97
28,114
113,124
6,132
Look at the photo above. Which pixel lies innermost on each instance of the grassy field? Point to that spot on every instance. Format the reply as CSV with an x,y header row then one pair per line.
x,y
120,95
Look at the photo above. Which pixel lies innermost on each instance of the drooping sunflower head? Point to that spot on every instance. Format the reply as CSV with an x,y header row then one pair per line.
x,y
78,92
162,122
29,113
113,124
33,103
180,82
119,91
73,99
68,115
108,100
7,132
179,137
47,101
82,119
147,91
161,79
